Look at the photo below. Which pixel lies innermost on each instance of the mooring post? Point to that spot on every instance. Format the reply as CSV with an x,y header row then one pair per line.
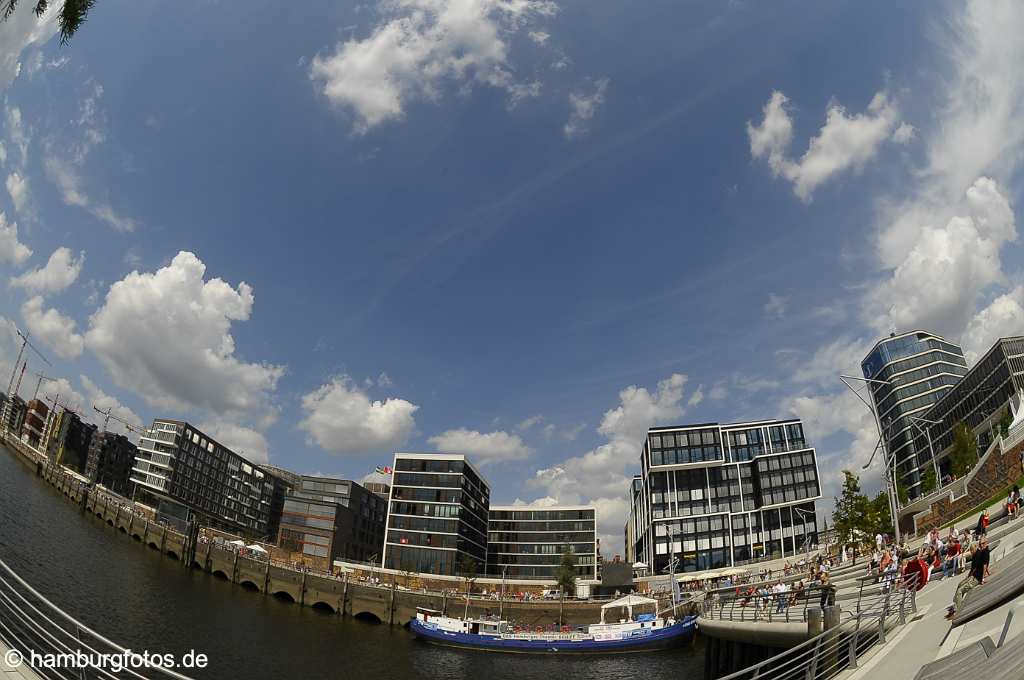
x,y
302,591
391,608
266,578
344,595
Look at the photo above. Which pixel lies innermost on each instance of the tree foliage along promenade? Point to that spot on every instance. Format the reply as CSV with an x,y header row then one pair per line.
x,y
965,450
857,518
567,572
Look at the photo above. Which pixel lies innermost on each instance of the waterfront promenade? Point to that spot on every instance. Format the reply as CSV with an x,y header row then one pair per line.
x,y
929,637
361,591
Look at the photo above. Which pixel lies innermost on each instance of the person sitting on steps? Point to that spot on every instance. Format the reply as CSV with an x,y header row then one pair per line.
x,y
979,572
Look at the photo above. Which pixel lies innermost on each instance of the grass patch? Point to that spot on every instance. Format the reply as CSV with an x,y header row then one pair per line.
x,y
976,510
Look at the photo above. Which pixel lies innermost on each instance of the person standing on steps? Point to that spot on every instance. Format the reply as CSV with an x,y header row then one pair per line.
x,y
981,528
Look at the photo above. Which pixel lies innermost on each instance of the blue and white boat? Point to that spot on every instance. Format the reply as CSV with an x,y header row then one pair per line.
x,y
630,634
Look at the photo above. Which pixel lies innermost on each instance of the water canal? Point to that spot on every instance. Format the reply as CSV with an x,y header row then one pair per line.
x,y
147,601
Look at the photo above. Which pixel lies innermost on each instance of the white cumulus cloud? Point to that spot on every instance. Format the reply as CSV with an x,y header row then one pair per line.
x,y
417,46
12,251
245,441
1003,317
60,271
482,447
166,336
601,476
23,29
17,187
341,418
52,327
939,282
844,142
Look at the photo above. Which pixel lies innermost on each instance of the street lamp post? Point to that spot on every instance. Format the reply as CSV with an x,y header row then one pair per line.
x,y
890,483
807,538
927,431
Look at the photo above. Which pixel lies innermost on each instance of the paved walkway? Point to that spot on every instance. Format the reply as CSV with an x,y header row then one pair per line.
x,y
928,635
8,672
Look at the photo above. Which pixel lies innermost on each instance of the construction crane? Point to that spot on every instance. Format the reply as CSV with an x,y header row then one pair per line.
x,y
39,383
21,351
108,414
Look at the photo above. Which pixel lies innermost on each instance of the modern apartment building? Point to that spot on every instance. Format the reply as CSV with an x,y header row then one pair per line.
x,y
325,519
184,473
907,374
437,514
68,438
718,495
14,410
528,543
109,461
34,424
979,399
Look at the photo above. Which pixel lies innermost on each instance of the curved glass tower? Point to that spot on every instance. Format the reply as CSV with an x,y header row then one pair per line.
x,y
913,371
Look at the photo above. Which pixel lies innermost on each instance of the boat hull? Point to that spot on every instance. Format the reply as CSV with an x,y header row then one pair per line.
x,y
671,636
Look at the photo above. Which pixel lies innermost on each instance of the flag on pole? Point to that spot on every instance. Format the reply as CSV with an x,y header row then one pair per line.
x,y
384,470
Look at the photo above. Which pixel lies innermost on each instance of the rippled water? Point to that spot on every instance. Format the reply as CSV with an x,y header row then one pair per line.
x,y
147,601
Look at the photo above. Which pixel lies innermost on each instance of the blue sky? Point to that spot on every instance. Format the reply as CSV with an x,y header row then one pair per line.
x,y
524,230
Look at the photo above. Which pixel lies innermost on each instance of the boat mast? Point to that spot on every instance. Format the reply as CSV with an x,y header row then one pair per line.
x,y
673,562
501,596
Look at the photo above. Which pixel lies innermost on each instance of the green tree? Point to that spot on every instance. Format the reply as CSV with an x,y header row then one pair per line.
x,y
852,514
72,14
965,450
566,576
880,518
1005,422
928,481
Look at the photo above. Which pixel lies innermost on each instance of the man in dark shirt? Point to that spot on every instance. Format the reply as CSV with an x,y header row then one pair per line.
x,y
976,576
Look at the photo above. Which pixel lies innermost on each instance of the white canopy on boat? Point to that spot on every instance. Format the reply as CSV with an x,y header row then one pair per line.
x,y
629,601
257,548
639,565
240,544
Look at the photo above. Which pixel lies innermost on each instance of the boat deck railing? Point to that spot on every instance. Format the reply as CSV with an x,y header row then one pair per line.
x,y
57,646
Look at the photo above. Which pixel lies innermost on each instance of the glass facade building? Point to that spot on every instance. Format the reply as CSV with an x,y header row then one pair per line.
x,y
184,473
437,514
910,373
979,399
325,519
722,495
528,543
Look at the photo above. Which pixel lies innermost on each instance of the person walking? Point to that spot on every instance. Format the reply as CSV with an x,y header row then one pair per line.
x,y
981,528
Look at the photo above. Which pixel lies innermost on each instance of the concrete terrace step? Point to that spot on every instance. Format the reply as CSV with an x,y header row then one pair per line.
x,y
967,660
1006,582
1007,663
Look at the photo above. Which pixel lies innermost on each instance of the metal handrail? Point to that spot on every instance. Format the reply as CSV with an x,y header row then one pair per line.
x,y
827,654
29,622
